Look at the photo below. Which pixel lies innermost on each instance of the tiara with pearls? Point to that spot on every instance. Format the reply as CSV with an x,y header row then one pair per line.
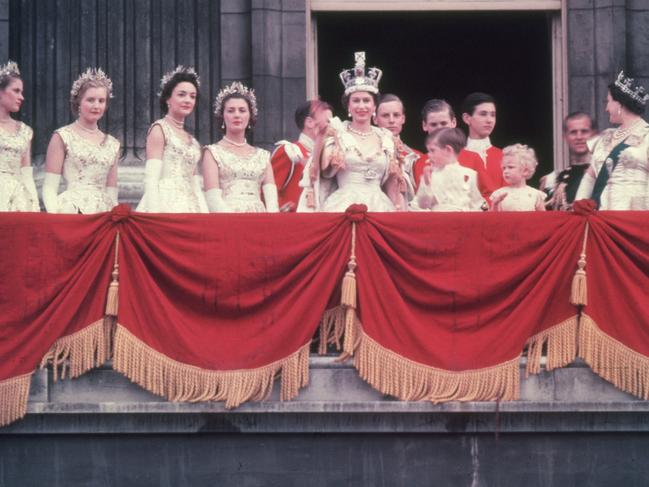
x,y
236,88
179,69
95,75
631,89
356,79
9,69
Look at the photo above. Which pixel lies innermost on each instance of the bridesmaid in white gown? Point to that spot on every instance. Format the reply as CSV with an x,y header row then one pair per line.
x,y
618,178
357,161
85,155
171,182
17,189
237,174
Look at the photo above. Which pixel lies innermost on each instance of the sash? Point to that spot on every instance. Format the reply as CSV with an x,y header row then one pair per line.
x,y
602,177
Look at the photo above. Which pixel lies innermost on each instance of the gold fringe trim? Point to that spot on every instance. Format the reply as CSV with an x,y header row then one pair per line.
x,y
112,298
579,287
626,369
177,381
14,393
561,347
406,380
84,350
332,327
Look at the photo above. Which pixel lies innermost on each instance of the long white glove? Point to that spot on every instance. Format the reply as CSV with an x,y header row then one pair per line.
x,y
198,191
51,192
152,173
215,201
586,186
270,197
113,194
27,178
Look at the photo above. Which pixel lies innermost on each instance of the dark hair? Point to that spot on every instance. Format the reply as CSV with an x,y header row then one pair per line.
x,y
447,136
345,98
387,98
308,109
625,100
434,106
5,81
475,99
219,116
576,115
168,88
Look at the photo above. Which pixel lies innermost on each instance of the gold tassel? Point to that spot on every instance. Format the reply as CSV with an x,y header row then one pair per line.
x,y
112,298
613,361
177,381
348,301
14,393
392,374
332,328
579,288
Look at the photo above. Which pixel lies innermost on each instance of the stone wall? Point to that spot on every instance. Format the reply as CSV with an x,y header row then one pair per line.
x,y
605,36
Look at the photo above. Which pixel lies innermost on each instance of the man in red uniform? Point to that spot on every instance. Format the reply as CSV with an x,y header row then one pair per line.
x,y
288,158
391,115
479,114
435,114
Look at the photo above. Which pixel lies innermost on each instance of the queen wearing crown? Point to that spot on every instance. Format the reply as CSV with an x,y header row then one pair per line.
x,y
618,178
355,162
171,180
236,173
85,155
17,189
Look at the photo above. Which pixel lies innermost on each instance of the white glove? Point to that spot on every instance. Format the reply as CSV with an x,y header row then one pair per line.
x,y
27,178
113,193
51,192
215,201
198,191
270,197
152,173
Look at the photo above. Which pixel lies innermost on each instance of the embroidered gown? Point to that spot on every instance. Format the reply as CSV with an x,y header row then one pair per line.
x,y
628,184
85,169
361,180
175,187
241,178
14,196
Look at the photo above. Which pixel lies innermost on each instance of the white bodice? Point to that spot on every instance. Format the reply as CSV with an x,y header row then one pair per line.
x,y
628,183
85,169
13,148
361,180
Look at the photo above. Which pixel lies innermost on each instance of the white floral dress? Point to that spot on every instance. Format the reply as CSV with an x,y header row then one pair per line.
x,y
85,170
14,196
241,178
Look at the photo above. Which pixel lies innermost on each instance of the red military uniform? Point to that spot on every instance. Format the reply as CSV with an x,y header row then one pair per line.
x,y
490,173
288,161
418,169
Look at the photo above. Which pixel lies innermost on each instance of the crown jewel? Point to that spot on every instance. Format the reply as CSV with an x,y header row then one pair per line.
x,y
631,89
9,69
357,79
179,69
95,75
236,88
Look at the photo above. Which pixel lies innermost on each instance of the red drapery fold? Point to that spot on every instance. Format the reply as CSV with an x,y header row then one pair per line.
x,y
55,271
211,307
447,302
614,336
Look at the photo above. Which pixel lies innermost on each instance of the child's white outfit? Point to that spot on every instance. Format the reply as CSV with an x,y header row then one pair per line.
x,y
524,198
452,188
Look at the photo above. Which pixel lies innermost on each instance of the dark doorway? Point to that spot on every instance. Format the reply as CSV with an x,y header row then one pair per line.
x,y
448,55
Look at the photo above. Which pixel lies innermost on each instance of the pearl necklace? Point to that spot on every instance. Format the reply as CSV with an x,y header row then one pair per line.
x,y
178,123
621,133
86,129
362,135
236,144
